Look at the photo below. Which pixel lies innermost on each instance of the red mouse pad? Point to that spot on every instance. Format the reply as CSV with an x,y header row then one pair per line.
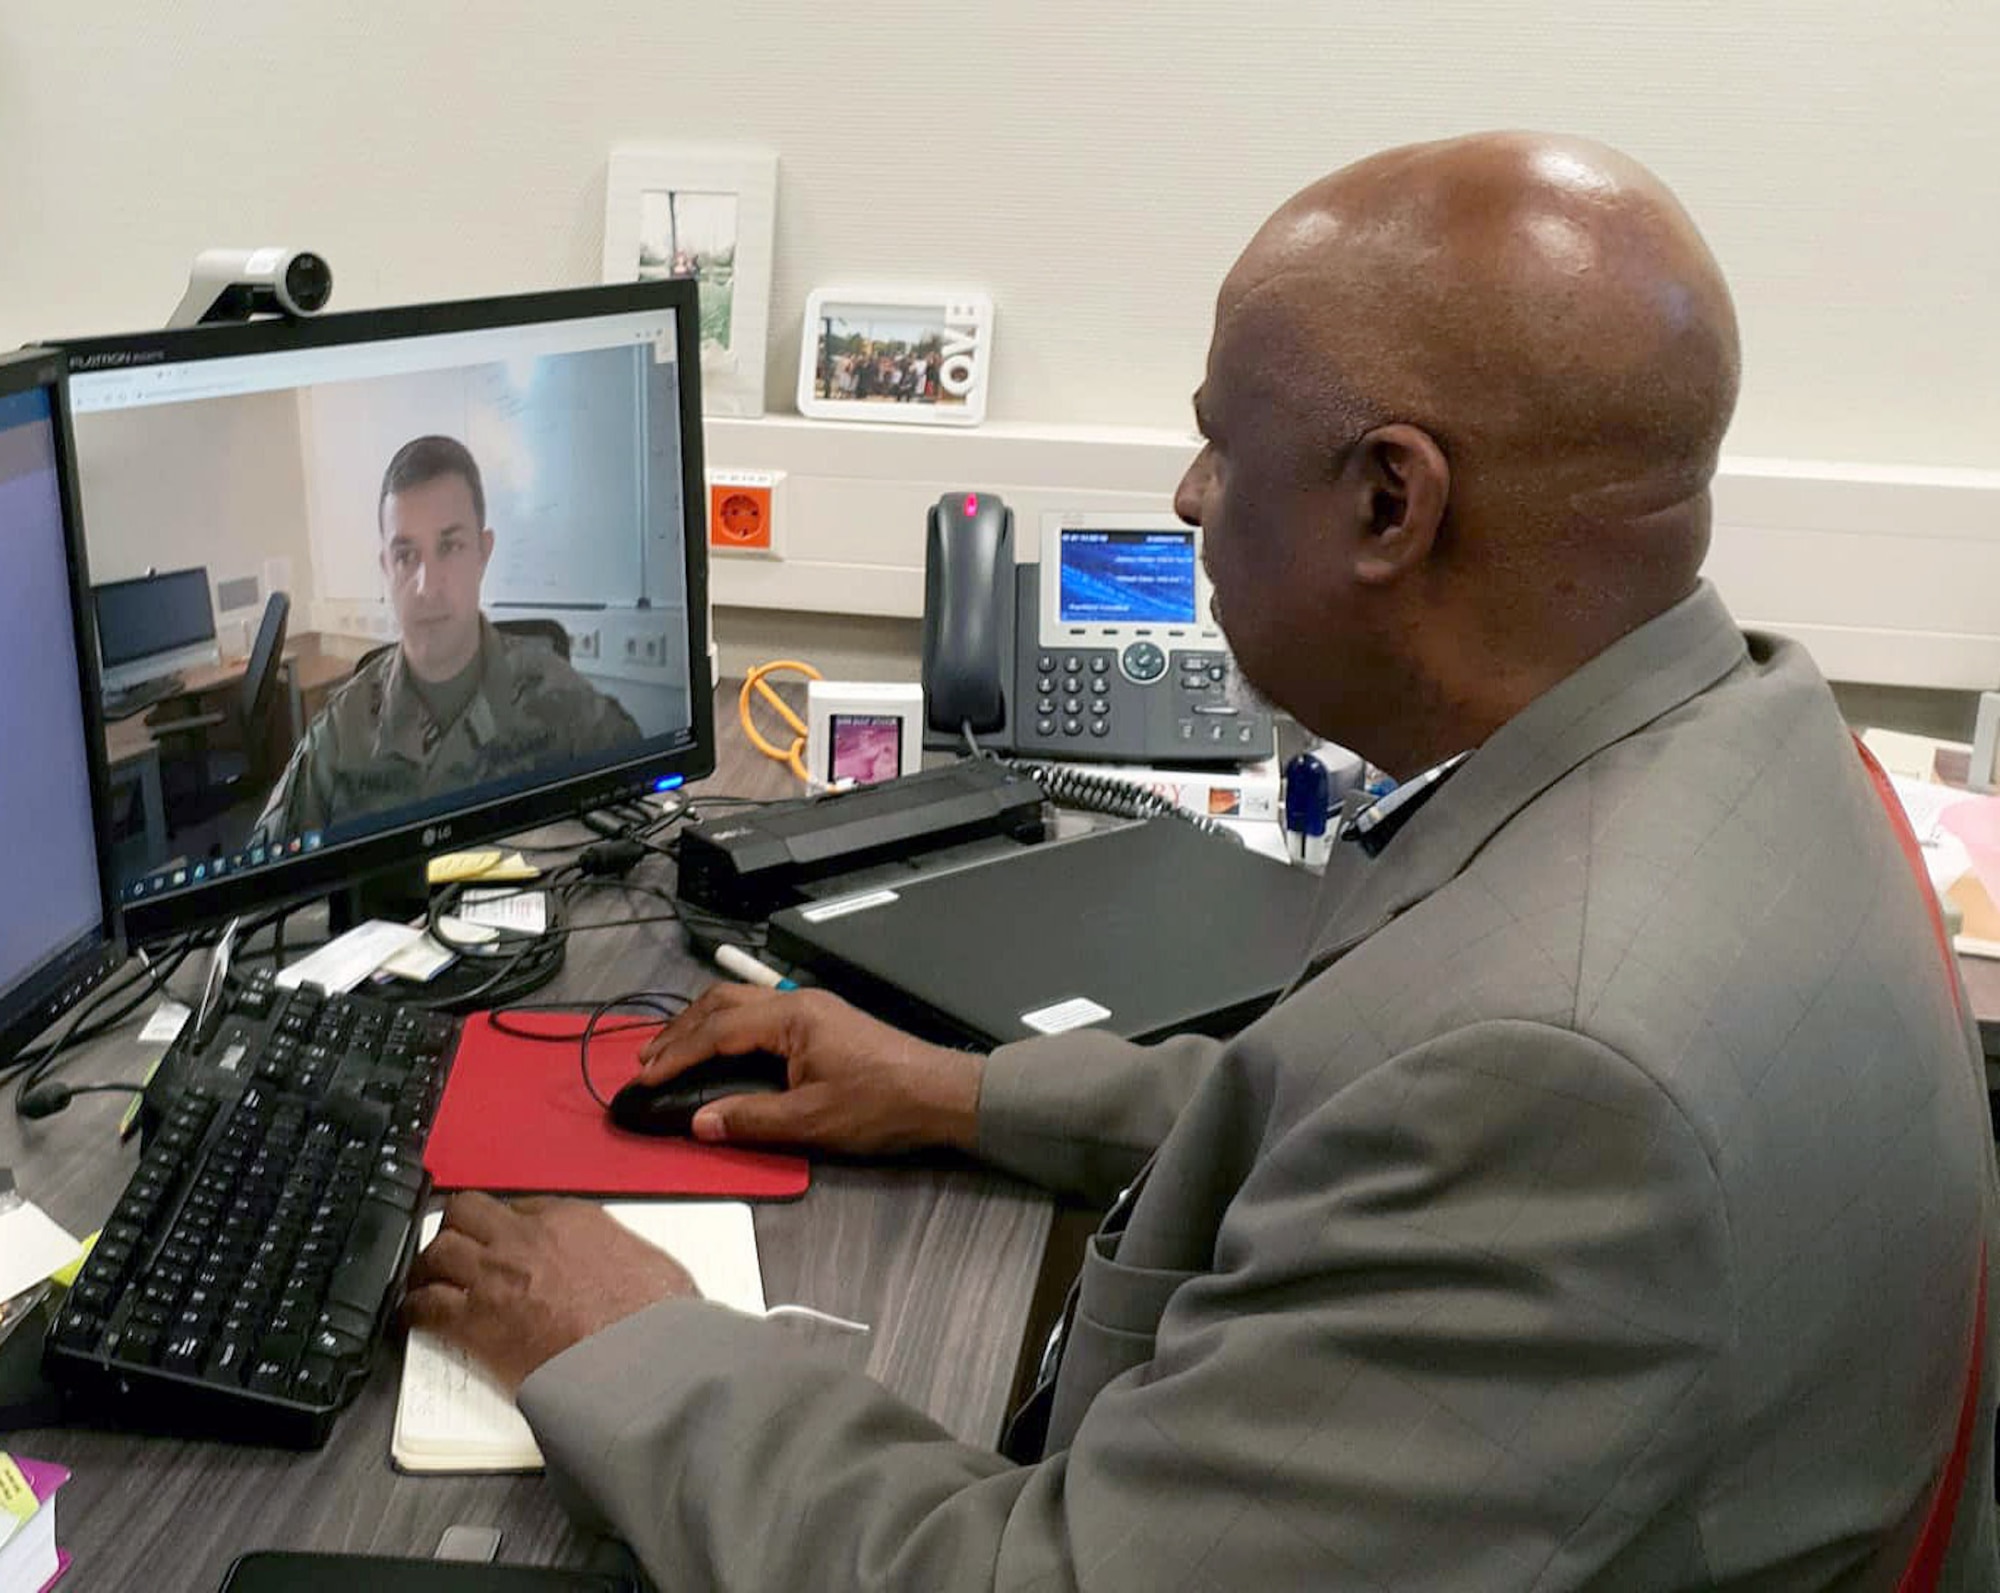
x,y
516,1116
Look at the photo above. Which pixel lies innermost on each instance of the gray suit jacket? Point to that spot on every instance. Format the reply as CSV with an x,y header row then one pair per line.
x,y
1603,1209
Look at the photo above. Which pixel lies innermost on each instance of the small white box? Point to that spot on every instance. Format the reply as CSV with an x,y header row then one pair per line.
x,y
862,732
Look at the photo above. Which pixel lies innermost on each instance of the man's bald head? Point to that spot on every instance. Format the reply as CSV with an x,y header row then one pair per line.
x,y
1532,325
1509,291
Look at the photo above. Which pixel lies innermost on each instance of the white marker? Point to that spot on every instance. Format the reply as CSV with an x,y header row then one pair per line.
x,y
735,960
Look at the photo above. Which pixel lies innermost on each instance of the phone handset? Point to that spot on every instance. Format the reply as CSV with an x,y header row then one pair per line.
x,y
968,615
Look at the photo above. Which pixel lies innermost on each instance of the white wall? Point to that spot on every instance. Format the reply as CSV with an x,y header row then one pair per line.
x,y
220,484
1096,166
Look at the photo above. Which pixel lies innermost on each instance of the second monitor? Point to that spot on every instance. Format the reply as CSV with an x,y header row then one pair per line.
x,y
149,629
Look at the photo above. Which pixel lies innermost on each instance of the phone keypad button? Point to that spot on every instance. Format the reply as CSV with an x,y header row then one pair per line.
x,y
1045,706
1072,727
1045,727
1072,664
1046,663
1072,705
1099,663
1099,727
1100,687
1046,684
1099,708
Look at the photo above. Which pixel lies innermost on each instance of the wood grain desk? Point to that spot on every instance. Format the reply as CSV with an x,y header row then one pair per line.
x,y
941,1259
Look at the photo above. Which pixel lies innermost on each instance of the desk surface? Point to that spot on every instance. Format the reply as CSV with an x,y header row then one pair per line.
x,y
311,670
942,1260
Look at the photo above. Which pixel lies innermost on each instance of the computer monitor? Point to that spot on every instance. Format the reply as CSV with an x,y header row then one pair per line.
x,y
58,918
487,519
153,626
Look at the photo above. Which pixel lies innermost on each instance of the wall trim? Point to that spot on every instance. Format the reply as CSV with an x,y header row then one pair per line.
x,y
1888,574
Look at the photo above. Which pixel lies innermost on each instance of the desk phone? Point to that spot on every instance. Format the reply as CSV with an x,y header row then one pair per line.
x,y
1103,651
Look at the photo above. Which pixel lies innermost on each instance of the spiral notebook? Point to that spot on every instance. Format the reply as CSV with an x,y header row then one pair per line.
x,y
451,1416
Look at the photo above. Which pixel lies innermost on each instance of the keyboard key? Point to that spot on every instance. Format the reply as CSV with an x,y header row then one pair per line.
x,y
375,1250
78,1330
227,1359
335,1345
185,1354
268,1377
317,1381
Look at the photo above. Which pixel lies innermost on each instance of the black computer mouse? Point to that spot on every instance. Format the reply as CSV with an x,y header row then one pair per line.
x,y
669,1108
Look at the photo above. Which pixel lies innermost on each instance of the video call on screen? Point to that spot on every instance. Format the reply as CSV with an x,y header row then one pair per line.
x,y
1127,577
279,488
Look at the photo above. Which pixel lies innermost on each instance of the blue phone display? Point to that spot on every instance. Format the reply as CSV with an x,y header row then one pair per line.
x,y
1127,578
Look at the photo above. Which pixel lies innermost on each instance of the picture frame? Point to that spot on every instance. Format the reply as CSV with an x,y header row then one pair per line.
x,y
911,357
709,212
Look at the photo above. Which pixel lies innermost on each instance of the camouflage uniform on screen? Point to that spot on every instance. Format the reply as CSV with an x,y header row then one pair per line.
x,y
376,746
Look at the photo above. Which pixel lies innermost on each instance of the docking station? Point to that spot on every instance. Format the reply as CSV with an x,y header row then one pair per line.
x,y
749,865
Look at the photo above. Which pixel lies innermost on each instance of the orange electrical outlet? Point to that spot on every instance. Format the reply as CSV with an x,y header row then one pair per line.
x,y
739,517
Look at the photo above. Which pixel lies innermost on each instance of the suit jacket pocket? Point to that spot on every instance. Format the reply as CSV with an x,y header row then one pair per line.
x,y
1118,1314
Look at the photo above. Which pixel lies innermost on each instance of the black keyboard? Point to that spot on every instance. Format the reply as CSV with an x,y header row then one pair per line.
x,y
242,1284
146,694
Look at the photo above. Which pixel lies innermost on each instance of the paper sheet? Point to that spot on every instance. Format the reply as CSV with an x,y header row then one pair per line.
x,y
342,964
525,912
32,1246
167,1021
1924,803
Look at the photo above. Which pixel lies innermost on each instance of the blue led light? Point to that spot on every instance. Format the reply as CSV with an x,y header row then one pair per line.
x,y
667,782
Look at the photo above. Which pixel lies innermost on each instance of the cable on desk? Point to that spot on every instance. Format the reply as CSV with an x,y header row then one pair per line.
x,y
665,1003
35,1064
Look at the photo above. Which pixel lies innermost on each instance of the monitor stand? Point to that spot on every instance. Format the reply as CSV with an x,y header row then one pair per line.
x,y
398,894
123,703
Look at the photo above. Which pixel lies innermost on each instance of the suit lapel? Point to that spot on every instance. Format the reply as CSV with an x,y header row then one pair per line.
x,y
1638,678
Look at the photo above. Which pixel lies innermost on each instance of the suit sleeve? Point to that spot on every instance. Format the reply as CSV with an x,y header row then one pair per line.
x,y
1455,1334
1081,1112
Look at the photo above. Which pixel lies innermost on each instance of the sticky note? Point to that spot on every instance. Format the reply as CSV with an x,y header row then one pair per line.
x,y
450,866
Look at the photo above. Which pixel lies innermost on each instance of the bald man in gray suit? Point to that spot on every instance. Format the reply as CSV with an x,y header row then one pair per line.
x,y
1607,1206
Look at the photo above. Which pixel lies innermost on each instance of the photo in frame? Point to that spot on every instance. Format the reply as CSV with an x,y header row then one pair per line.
x,y
904,356
707,212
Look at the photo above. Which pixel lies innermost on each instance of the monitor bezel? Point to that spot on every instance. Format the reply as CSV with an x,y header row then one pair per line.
x,y
335,866
63,979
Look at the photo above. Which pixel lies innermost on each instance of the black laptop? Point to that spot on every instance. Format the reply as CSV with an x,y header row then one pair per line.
x,y
1145,930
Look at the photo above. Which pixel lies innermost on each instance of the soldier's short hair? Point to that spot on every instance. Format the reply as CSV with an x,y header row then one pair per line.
x,y
425,459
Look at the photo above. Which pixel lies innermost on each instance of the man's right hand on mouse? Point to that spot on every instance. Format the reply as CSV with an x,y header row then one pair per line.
x,y
857,1085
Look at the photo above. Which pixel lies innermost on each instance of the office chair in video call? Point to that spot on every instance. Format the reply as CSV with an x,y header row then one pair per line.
x,y
548,632
201,781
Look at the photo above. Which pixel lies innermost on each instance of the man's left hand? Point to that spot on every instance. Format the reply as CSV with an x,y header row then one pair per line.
x,y
514,1284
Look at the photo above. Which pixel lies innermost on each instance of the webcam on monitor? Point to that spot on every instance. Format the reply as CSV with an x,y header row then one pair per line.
x,y
235,284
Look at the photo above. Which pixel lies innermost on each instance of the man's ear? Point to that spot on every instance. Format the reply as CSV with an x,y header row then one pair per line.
x,y
485,548
1406,480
